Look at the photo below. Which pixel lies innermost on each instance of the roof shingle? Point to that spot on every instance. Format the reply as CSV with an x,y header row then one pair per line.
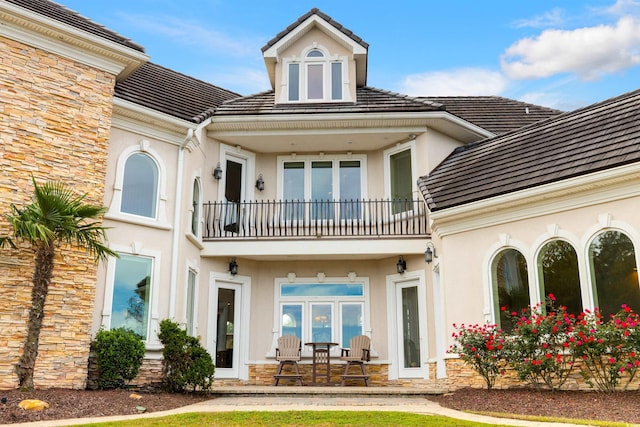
x,y
172,93
322,15
74,19
601,136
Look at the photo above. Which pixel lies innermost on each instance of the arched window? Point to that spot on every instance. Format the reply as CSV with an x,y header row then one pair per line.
x,y
558,267
614,272
140,186
510,285
195,214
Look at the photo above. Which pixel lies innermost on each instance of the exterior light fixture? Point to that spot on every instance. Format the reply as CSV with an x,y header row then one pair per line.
x,y
217,172
430,253
401,265
233,266
260,183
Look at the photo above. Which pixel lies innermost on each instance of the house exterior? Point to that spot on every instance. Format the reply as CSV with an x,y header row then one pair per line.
x,y
323,207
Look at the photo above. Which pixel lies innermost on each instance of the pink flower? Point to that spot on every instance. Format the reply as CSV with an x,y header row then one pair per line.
x,y
552,297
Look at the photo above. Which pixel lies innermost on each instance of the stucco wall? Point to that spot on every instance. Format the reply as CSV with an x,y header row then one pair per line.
x,y
466,256
55,119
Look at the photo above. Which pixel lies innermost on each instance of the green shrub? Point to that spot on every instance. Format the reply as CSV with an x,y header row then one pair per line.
x,y
482,347
119,353
186,365
539,351
609,350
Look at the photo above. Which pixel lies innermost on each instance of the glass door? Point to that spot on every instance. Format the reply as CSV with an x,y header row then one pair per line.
x,y
234,192
410,360
227,330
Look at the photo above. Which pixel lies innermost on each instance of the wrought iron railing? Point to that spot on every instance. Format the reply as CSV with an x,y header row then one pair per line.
x,y
330,218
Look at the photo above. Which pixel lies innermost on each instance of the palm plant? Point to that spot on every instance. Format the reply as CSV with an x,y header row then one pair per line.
x,y
56,216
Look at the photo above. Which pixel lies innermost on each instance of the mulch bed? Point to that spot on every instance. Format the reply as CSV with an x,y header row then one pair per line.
x,y
591,405
65,404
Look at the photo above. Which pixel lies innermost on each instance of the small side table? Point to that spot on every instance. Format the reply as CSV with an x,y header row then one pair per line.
x,y
321,360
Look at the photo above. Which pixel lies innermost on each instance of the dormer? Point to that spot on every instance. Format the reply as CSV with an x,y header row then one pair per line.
x,y
316,60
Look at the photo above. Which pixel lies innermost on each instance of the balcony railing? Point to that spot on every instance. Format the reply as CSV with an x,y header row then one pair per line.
x,y
306,219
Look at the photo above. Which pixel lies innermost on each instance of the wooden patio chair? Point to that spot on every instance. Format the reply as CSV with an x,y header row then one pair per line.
x,y
358,353
288,353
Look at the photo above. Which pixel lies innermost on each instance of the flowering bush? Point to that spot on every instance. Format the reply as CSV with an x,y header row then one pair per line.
x,y
608,350
539,351
482,347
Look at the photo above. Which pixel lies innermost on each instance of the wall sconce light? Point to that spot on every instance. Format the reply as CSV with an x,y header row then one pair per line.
x,y
217,172
430,253
401,265
260,183
233,266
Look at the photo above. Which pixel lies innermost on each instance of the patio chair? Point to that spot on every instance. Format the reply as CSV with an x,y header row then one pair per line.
x,y
288,353
357,354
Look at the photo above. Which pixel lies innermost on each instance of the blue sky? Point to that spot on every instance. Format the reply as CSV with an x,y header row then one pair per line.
x,y
561,54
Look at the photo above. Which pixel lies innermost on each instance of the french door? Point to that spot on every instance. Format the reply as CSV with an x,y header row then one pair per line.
x,y
234,192
228,326
410,325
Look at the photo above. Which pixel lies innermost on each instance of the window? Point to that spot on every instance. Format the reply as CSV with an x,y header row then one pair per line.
x,y
401,180
334,186
131,294
510,285
195,214
320,76
614,272
140,186
322,312
558,267
191,301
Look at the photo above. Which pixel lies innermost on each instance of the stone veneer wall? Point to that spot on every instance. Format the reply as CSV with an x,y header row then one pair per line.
x,y
459,375
55,121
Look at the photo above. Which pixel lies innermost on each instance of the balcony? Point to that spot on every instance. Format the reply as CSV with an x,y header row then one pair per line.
x,y
282,219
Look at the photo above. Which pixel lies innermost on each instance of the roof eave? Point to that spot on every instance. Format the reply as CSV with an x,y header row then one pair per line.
x,y
54,36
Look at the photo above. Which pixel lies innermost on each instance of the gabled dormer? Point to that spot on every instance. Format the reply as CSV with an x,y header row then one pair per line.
x,y
316,60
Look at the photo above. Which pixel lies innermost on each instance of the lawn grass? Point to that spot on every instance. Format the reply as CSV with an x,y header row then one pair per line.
x,y
294,418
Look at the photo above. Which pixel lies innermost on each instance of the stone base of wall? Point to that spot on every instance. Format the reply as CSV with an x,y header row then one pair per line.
x,y
459,375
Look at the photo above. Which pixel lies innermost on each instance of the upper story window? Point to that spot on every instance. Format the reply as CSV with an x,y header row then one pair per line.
x,y
316,78
333,185
195,202
400,176
140,186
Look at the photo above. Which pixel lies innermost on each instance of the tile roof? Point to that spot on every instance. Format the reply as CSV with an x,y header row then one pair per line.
x,y
496,114
322,15
602,136
170,92
369,100
74,19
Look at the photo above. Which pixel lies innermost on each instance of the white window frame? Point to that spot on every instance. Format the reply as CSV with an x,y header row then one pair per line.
x,y
398,148
196,211
335,168
307,302
303,83
191,319
115,213
135,250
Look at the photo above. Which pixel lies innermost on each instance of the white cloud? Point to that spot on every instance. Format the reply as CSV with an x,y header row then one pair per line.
x,y
588,52
553,18
191,33
624,7
460,82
